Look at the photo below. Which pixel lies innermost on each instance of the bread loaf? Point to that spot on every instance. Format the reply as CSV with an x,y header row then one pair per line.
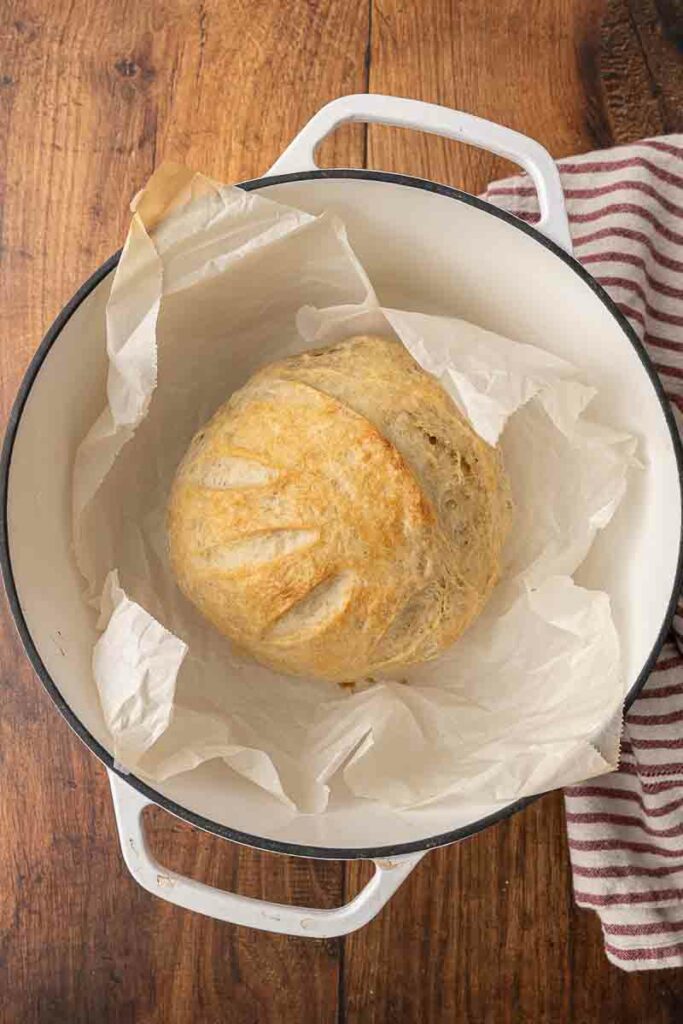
x,y
338,516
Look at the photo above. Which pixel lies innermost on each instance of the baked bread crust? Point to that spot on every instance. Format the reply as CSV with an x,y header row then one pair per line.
x,y
338,516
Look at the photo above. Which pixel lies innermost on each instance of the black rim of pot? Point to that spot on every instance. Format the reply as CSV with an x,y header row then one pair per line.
x,y
225,832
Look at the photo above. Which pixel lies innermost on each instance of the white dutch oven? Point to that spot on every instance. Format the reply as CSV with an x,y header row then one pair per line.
x,y
426,247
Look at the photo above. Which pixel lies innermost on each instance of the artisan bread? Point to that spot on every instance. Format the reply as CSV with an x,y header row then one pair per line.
x,y
338,516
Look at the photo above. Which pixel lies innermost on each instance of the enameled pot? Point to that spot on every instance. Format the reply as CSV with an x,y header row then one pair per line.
x,y
425,246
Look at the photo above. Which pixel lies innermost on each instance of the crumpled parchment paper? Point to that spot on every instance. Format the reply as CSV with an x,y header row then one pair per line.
x,y
213,283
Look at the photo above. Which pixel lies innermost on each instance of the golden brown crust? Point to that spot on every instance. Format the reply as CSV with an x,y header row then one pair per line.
x,y
338,515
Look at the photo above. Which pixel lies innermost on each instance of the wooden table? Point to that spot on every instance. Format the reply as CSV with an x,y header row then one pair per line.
x,y
93,94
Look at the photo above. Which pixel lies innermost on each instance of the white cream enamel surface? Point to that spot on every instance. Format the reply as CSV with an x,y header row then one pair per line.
x,y
423,251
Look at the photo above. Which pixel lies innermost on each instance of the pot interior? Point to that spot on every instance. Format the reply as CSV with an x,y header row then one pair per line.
x,y
424,250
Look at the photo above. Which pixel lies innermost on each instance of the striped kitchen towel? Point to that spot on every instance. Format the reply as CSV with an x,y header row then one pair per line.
x,y
626,829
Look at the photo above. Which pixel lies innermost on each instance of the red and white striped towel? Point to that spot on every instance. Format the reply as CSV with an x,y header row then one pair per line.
x,y
626,829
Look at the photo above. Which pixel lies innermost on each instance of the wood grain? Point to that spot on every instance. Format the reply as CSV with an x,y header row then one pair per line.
x,y
642,67
527,64
469,904
93,94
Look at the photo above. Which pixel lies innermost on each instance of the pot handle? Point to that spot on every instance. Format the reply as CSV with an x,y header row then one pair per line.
x,y
244,910
453,124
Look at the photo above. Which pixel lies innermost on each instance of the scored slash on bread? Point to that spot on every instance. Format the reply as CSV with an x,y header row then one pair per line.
x,y
338,515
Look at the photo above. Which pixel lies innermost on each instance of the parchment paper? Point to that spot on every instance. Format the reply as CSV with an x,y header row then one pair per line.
x,y
212,284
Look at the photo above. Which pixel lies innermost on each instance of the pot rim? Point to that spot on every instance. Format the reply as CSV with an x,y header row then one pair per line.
x,y
199,821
